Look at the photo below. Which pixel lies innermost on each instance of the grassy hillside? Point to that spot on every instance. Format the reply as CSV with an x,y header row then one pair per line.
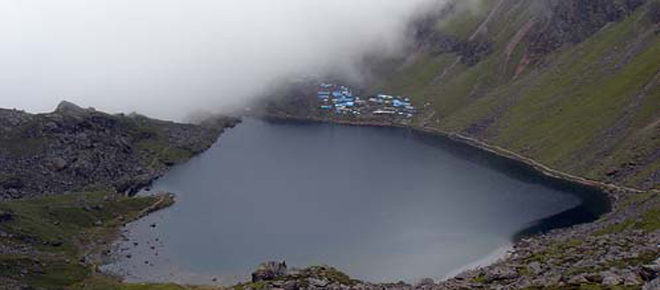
x,y
572,84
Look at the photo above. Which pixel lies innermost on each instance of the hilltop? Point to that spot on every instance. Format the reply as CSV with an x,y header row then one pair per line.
x,y
73,149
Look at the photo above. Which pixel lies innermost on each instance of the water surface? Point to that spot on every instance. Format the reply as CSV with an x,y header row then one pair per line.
x,y
380,204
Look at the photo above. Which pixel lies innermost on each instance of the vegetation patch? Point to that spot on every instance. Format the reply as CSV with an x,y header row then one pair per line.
x,y
55,239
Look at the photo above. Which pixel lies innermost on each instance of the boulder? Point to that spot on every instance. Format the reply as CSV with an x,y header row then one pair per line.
x,y
57,164
6,216
610,279
71,109
578,280
629,278
290,285
269,271
535,268
320,283
501,273
653,285
425,282
12,183
651,271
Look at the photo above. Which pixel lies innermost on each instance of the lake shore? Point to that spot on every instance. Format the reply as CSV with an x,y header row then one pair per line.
x,y
521,268
439,172
612,191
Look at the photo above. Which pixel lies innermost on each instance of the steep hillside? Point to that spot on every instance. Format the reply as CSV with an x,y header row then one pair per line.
x,y
73,149
572,84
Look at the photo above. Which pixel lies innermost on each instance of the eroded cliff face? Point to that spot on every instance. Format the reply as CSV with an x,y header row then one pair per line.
x,y
572,84
73,149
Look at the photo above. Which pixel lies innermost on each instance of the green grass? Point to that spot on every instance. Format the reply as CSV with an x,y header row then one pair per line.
x,y
62,229
650,221
467,20
562,105
99,282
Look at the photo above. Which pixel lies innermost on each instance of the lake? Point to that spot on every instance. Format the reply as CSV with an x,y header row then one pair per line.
x,y
380,204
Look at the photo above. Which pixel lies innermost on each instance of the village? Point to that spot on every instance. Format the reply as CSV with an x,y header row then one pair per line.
x,y
341,100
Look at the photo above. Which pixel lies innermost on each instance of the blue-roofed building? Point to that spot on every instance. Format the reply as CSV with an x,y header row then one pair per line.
x,y
399,103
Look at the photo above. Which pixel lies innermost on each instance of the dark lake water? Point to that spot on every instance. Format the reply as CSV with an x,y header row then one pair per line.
x,y
381,204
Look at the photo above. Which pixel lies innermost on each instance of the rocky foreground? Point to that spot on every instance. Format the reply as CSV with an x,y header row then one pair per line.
x,y
74,149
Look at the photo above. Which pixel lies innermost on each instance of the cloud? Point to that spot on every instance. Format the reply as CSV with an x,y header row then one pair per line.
x,y
166,58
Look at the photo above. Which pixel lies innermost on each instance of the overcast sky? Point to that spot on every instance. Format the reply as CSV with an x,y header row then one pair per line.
x,y
166,58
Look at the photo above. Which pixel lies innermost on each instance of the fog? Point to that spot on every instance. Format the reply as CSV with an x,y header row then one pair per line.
x,y
166,58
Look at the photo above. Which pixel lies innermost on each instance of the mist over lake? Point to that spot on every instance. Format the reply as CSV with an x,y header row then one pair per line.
x,y
380,204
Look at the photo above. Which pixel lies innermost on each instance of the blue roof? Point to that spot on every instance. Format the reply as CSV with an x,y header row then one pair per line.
x,y
398,103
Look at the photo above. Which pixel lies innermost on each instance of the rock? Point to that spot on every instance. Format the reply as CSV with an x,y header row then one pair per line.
x,y
56,243
535,268
500,273
578,280
630,278
83,167
12,183
57,164
290,285
610,279
653,285
269,271
425,282
71,109
651,271
318,282
6,216
547,281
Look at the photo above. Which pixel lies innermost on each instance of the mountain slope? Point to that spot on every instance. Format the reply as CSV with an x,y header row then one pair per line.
x,y
572,84
73,149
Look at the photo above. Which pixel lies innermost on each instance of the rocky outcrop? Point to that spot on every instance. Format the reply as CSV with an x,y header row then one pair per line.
x,y
269,271
73,149
276,275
